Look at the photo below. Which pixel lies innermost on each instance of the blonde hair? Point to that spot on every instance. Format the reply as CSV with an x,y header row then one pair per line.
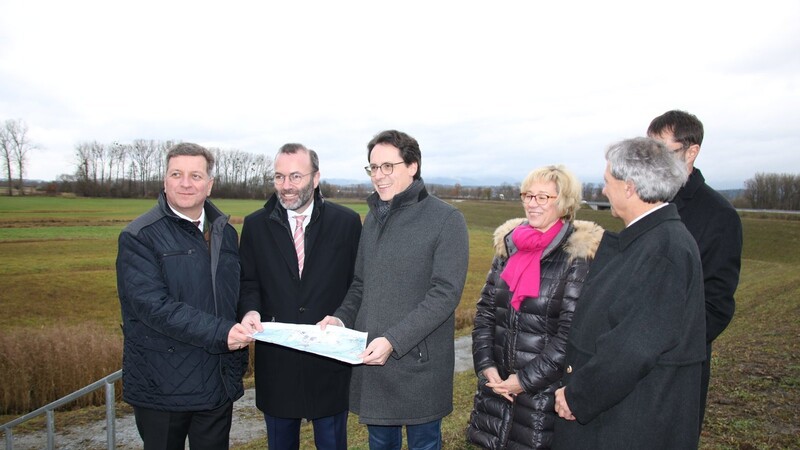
x,y
568,188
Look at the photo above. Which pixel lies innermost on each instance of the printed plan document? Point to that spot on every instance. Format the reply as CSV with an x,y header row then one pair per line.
x,y
335,342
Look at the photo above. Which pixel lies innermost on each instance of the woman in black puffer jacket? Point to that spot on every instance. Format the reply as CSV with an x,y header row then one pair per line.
x,y
525,310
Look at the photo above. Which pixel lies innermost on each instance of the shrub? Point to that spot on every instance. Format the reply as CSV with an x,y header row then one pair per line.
x,y
38,366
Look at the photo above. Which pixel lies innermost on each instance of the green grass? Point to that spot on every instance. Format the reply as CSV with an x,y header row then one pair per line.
x,y
57,271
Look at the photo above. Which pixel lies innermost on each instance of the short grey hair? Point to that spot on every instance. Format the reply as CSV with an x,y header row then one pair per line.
x,y
191,149
649,165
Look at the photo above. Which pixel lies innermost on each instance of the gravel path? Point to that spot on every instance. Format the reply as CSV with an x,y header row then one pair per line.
x,y
248,422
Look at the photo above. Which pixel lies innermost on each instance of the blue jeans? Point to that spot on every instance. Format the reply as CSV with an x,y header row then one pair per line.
x,y
425,436
330,433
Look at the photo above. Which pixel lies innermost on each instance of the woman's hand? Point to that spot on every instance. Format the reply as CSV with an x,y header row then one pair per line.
x,y
507,388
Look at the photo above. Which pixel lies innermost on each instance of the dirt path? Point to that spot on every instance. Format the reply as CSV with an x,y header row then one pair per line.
x,y
248,422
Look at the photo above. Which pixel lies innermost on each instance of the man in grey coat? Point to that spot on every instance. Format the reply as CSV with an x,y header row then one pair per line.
x,y
410,271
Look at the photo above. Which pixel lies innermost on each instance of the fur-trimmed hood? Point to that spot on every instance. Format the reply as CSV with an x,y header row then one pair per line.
x,y
582,243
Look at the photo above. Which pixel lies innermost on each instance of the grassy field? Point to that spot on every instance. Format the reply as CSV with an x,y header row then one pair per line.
x,y
59,304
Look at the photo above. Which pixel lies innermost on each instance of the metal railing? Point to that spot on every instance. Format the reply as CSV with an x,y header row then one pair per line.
x,y
49,410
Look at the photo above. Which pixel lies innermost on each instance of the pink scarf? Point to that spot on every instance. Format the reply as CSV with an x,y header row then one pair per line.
x,y
522,273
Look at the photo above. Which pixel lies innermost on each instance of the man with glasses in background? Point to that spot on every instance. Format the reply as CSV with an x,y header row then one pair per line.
x,y
298,253
410,271
714,224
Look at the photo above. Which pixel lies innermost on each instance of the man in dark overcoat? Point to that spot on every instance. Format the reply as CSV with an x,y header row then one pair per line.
x,y
297,254
636,346
714,224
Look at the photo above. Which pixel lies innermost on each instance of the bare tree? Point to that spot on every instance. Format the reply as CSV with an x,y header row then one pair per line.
x,y
223,165
83,153
117,154
161,161
143,153
17,132
261,173
8,160
99,155
85,175
122,169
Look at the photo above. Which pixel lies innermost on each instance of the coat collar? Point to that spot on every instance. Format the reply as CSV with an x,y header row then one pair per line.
x,y
627,236
688,190
212,212
276,214
415,193
582,242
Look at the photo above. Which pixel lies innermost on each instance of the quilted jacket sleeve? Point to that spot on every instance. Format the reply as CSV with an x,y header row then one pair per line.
x,y
146,297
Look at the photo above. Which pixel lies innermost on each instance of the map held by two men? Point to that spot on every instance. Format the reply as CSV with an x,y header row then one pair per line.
x,y
335,342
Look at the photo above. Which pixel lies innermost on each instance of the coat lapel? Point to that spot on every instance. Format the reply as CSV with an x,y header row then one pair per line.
x,y
278,227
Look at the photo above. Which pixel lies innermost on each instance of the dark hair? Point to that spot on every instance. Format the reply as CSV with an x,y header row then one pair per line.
x,y
190,149
408,146
291,149
685,128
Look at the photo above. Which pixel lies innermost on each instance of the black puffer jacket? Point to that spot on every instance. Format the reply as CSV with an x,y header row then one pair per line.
x,y
530,342
178,300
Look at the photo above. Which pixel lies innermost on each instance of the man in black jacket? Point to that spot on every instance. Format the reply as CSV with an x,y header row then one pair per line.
x,y
635,349
178,282
713,223
298,253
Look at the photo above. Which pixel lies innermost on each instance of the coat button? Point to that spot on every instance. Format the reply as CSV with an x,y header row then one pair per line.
x,y
569,369
302,309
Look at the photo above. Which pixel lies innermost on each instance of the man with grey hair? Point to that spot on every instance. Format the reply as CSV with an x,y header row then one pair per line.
x,y
636,347
178,282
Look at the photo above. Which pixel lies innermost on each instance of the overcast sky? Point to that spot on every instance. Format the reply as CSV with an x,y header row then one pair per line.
x,y
491,90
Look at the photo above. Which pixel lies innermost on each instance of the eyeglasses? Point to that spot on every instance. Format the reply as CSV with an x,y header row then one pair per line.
x,y
541,199
386,168
294,178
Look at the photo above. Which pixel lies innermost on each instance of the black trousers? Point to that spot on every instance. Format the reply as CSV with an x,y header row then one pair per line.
x,y
167,430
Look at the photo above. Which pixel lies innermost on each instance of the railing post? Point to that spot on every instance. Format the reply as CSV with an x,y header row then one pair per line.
x,y
9,439
110,415
51,430
49,409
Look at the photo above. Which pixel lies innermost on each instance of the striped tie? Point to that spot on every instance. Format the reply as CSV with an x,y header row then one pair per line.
x,y
299,243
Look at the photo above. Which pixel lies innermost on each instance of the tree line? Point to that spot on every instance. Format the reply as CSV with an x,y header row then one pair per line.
x,y
136,169
773,191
